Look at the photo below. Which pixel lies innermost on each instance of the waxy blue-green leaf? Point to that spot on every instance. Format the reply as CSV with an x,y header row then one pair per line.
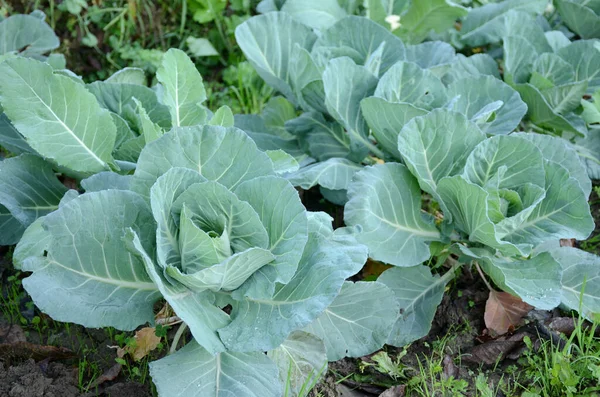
x,y
581,17
183,89
541,113
57,116
486,24
128,75
436,56
223,117
28,190
591,111
106,180
307,80
318,14
268,41
325,139
385,200
89,277
418,295
580,272
284,217
346,84
536,281
301,360
474,65
554,69
505,162
584,56
10,138
406,82
28,34
469,205
12,229
163,194
212,151
361,37
475,93
437,145
283,163
264,322
332,174
197,310
348,332
565,98
149,129
557,150
563,213
386,120
213,207
225,276
424,16
33,242
194,372
118,98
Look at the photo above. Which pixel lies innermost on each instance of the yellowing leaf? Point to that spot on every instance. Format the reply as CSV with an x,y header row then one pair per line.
x,y
503,311
145,341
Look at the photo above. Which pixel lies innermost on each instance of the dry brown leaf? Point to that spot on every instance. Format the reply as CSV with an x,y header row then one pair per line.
x,y
108,375
503,311
145,341
495,350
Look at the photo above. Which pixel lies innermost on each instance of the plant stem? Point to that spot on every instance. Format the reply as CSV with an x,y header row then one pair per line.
x,y
178,335
487,284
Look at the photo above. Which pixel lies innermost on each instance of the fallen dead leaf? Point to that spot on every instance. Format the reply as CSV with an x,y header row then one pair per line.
x,y
394,391
26,350
564,325
450,369
504,311
108,375
145,341
495,350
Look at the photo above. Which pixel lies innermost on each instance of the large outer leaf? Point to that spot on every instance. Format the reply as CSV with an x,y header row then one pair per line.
x,y
542,114
437,145
10,138
27,34
580,18
267,41
557,150
88,276
264,322
183,88
28,189
197,310
195,372
57,116
563,213
301,360
346,84
580,289
536,280
475,93
12,229
505,162
348,332
224,155
386,119
318,14
485,24
362,37
386,201
418,294
584,56
423,16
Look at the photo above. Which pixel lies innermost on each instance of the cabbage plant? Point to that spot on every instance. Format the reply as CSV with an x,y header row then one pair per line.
x,y
502,202
357,84
207,224
55,123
